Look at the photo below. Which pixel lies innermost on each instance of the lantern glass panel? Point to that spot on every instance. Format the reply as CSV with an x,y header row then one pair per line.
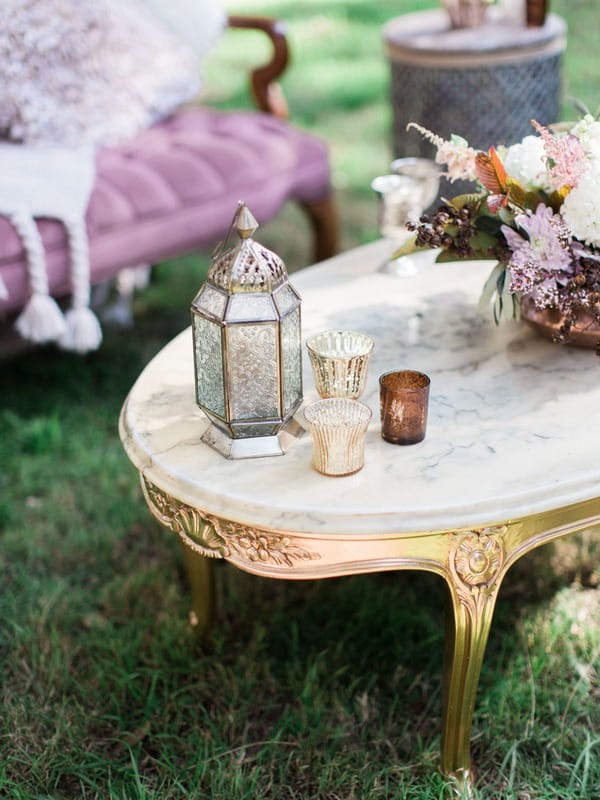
x,y
251,308
211,300
209,365
291,360
252,370
286,298
247,429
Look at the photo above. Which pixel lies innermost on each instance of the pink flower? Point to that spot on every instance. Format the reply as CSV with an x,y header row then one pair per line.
x,y
455,153
567,157
541,258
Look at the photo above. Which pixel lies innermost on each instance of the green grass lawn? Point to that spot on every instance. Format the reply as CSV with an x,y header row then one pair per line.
x,y
319,689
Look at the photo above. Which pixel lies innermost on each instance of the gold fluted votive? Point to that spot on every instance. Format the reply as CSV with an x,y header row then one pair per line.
x,y
337,426
340,360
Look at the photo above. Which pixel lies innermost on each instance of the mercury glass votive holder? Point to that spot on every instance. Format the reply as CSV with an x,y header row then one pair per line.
x,y
337,427
340,360
404,400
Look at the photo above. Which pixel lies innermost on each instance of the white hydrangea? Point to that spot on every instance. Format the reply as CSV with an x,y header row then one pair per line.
x,y
581,208
587,131
526,162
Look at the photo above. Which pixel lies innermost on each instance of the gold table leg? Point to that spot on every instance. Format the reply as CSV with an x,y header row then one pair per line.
x,y
200,574
466,638
473,579
477,562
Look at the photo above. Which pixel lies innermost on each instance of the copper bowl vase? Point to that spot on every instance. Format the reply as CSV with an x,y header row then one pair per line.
x,y
585,332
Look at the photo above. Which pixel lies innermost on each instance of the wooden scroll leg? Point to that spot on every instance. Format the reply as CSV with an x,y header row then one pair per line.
x,y
200,574
324,222
473,581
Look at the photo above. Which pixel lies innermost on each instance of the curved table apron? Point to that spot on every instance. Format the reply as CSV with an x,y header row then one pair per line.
x,y
509,461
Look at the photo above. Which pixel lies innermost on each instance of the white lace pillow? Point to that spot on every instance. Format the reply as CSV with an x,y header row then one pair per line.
x,y
81,71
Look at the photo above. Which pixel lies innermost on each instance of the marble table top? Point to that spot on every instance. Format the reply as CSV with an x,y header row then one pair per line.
x,y
513,418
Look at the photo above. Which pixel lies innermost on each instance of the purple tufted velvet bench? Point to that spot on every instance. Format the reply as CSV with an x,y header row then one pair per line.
x,y
175,187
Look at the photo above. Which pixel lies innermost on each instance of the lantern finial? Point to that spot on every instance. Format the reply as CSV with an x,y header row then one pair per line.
x,y
245,223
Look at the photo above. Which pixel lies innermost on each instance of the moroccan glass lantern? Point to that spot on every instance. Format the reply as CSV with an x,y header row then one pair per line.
x,y
247,348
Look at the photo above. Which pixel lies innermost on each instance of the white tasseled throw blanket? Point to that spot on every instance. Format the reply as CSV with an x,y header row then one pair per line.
x,y
53,182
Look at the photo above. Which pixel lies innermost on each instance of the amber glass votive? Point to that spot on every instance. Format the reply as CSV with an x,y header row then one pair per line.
x,y
337,426
404,399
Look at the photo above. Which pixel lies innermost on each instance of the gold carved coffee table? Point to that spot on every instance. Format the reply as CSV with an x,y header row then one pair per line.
x,y
509,463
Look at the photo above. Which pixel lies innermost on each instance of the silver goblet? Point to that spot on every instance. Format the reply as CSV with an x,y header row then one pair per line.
x,y
403,196
424,170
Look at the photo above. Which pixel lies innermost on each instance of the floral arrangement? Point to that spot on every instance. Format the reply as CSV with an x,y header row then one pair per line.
x,y
537,212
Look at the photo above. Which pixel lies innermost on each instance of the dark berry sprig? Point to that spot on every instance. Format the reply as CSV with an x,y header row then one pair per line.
x,y
449,228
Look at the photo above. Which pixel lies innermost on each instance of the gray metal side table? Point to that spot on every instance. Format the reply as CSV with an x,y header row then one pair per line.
x,y
483,83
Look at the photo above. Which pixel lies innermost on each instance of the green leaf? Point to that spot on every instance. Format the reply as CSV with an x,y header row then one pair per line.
x,y
516,193
556,199
408,247
447,255
490,288
481,242
488,224
533,199
450,254
507,216
506,296
462,200
456,139
496,290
